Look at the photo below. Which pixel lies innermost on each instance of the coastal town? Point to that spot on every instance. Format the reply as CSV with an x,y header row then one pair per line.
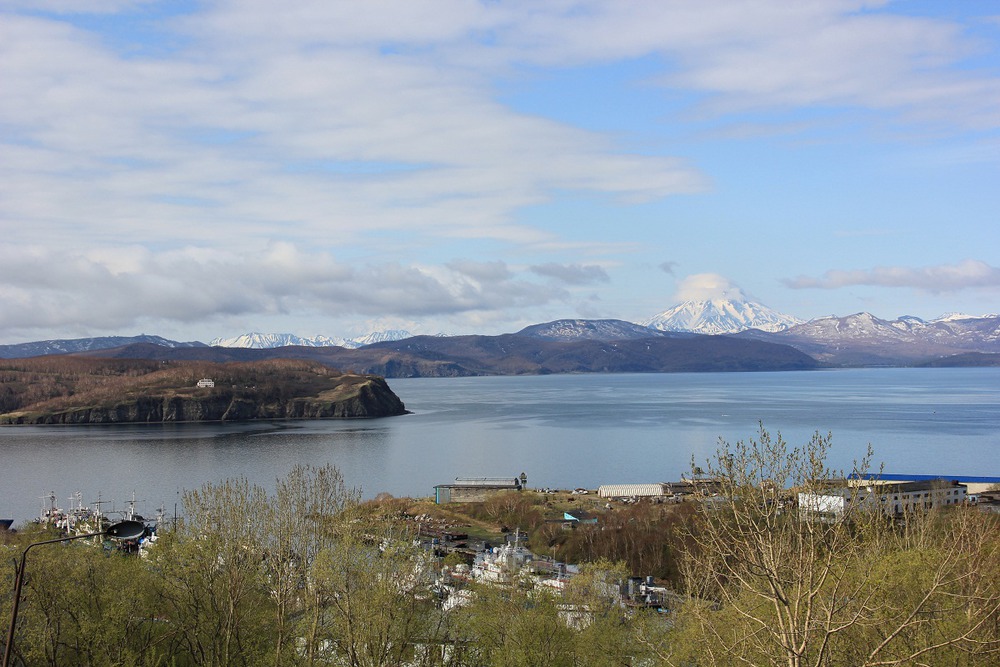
x,y
469,552
892,495
620,560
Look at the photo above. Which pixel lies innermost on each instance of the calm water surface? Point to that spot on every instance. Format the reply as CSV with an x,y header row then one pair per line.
x,y
562,430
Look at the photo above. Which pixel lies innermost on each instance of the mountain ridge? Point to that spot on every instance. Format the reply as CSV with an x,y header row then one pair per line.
x,y
864,339
71,345
261,341
859,339
510,354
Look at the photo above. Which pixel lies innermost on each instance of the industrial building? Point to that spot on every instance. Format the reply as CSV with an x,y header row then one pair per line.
x,y
475,489
972,483
631,490
892,498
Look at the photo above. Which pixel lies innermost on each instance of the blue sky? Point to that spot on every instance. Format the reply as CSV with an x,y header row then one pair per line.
x,y
203,169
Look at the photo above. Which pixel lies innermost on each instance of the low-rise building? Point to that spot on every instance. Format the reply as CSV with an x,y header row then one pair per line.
x,y
206,382
631,490
577,517
892,498
474,489
972,483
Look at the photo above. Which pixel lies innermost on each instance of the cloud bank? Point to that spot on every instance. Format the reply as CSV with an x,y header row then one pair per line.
x,y
969,274
42,288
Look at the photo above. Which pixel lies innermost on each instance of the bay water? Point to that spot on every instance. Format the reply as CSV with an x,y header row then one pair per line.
x,y
563,431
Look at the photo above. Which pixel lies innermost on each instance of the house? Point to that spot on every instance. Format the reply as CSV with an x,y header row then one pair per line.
x,y
577,517
206,382
474,489
892,498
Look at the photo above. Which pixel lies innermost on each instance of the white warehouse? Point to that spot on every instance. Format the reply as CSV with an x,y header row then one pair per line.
x,y
631,490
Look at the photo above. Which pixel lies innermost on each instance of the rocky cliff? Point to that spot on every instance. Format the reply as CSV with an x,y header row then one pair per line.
x,y
372,399
241,392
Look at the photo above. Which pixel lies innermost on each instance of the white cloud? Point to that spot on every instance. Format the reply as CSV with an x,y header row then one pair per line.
x,y
323,115
707,286
967,274
773,55
481,271
311,127
155,176
42,288
572,274
74,6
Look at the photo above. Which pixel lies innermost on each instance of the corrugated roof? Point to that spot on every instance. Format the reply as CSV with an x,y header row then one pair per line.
x,y
502,482
961,479
627,490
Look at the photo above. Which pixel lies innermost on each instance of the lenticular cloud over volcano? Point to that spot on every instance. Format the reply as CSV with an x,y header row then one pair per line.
x,y
708,287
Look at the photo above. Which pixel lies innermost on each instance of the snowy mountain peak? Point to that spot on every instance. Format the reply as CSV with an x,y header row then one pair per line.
x,y
262,341
377,337
720,316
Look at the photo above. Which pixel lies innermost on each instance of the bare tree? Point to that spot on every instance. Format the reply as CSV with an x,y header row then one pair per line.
x,y
302,517
212,589
373,589
769,586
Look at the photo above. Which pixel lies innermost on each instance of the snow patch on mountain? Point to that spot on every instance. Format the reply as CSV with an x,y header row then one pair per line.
x,y
377,337
959,334
263,341
955,317
720,316
74,345
859,326
571,330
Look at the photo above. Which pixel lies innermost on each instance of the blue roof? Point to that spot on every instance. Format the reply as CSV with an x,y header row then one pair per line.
x,y
964,479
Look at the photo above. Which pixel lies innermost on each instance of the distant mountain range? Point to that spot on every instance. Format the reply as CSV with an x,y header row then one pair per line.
x,y
76,345
865,340
693,336
262,341
531,352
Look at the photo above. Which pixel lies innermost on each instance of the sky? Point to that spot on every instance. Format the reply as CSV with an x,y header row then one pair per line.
x,y
205,169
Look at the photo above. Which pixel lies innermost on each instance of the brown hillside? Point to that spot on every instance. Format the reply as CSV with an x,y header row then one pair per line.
x,y
70,389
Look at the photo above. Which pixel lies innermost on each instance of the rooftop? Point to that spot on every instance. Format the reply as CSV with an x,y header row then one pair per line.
x,y
961,479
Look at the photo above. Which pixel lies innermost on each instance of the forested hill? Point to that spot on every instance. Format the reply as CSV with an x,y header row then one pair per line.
x,y
79,390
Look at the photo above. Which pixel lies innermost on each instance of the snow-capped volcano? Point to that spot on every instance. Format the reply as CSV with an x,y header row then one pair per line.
x,y
720,316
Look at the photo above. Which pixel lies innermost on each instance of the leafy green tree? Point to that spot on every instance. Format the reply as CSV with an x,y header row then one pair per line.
x,y
604,625
81,605
303,519
374,602
212,589
513,509
511,626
